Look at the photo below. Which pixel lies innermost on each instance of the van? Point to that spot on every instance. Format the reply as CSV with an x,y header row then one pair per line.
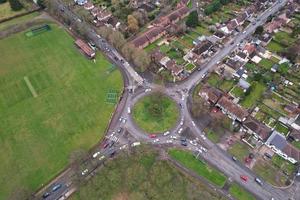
x,y
56,187
128,110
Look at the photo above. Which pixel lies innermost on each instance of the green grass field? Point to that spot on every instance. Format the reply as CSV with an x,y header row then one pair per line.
x,y
239,193
155,119
239,150
141,176
257,90
69,111
199,167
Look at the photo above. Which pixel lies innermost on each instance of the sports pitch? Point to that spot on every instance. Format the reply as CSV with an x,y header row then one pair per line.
x,y
52,101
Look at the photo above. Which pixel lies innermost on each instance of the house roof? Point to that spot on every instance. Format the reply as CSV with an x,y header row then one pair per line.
x,y
233,108
242,55
249,48
202,47
277,140
157,55
241,18
219,34
234,64
232,24
147,36
210,93
292,151
140,40
171,65
257,127
85,48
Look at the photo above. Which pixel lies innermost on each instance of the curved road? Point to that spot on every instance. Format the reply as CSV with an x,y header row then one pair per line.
x,y
135,88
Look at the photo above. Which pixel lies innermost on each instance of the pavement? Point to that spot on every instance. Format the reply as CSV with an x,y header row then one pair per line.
x,y
135,87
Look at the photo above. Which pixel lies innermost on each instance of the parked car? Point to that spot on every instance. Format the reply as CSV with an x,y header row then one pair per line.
x,y
234,158
119,130
152,136
96,154
166,133
84,172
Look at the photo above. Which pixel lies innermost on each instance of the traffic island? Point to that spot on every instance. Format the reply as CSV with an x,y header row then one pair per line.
x,y
155,113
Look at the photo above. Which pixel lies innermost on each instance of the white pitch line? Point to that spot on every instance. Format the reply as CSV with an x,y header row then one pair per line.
x,y
31,88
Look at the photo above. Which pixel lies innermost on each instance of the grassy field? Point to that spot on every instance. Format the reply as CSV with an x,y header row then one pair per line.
x,y
257,90
240,151
199,167
158,118
6,12
70,111
141,176
239,193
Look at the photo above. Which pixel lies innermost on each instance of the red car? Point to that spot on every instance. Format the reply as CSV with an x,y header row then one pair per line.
x,y
152,136
244,178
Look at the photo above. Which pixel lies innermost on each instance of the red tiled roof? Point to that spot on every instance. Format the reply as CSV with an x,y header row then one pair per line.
x,y
85,48
233,108
211,94
292,151
259,128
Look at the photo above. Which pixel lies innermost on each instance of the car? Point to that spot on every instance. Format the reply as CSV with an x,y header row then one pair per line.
x,y
244,32
204,75
111,143
244,178
193,143
203,149
84,172
56,187
166,133
231,43
181,122
123,147
102,157
152,136
112,154
105,145
135,144
180,130
184,143
174,137
45,195
193,123
92,45
96,154
169,141
257,180
124,120
203,137
148,90
180,105
128,110
156,140
234,158
119,130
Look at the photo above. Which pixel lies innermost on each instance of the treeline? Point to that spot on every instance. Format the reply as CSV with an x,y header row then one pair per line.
x,y
215,6
15,5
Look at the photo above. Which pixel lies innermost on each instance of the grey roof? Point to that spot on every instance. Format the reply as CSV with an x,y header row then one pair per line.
x,y
297,121
278,140
244,84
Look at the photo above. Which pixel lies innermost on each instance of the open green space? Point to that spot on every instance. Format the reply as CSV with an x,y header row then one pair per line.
x,y
155,113
141,175
226,85
214,80
275,47
213,136
283,164
282,128
266,63
238,92
6,11
70,112
239,150
256,91
198,166
240,193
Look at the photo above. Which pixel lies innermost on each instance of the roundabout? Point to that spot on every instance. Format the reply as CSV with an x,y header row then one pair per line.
x,y
155,113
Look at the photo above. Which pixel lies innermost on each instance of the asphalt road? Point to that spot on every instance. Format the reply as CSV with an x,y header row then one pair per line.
x,y
180,93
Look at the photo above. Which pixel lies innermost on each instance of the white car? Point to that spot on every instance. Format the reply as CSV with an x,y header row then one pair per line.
x,y
96,154
199,150
193,123
84,172
156,140
180,130
203,137
193,142
102,157
169,141
135,144
181,122
123,147
128,110
203,149
174,137
166,133
148,90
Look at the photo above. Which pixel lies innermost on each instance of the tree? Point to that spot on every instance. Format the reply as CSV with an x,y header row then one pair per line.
x,y
141,59
133,24
192,20
117,39
3,1
41,3
259,30
15,5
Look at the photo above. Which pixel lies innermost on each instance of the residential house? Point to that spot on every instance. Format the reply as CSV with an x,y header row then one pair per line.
x,y
148,37
281,147
203,47
210,94
89,6
296,123
231,109
257,129
231,25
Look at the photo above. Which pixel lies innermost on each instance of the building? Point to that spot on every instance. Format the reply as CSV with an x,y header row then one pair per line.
x,y
231,109
296,123
281,147
202,47
80,2
148,37
210,94
85,48
257,129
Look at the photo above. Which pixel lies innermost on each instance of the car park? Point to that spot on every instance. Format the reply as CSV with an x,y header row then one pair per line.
x,y
56,187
